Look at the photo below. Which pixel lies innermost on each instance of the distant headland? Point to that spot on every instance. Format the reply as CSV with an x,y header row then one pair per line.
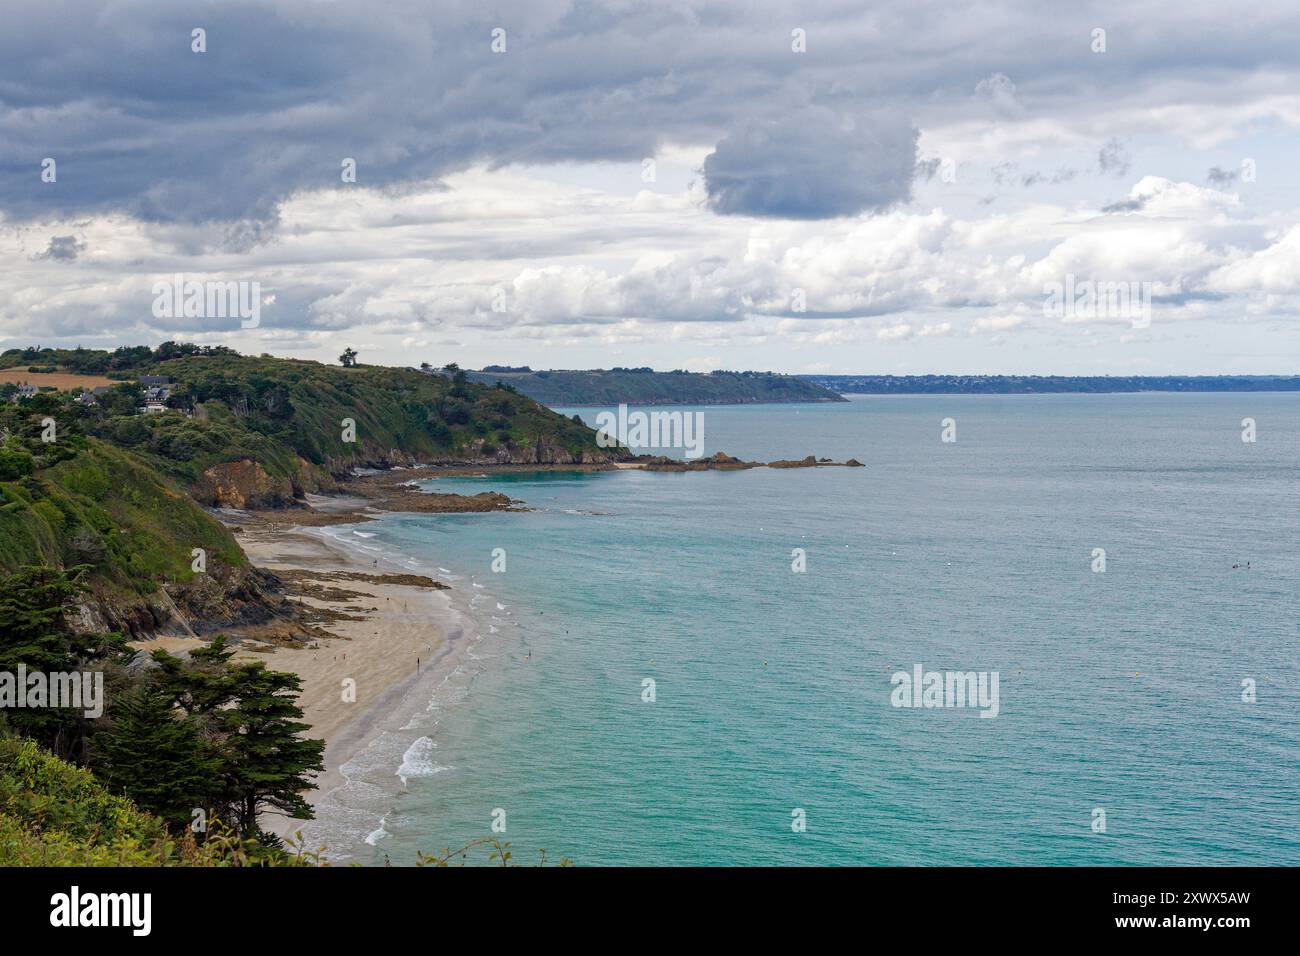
x,y
644,386
1047,384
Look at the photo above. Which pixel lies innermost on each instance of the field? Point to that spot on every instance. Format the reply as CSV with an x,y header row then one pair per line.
x,y
60,380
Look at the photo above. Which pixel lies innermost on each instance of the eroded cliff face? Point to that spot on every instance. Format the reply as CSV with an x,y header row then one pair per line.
x,y
241,484
245,484
225,597
479,452
482,453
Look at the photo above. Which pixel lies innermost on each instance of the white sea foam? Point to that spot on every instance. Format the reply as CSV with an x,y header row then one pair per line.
x,y
418,761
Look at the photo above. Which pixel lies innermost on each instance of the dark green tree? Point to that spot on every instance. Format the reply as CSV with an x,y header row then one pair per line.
x,y
201,685
267,761
252,716
158,758
35,634
459,381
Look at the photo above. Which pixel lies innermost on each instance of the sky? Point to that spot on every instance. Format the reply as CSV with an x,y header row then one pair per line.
x,y
905,188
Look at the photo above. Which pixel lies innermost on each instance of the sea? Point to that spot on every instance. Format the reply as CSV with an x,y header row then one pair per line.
x,y
706,668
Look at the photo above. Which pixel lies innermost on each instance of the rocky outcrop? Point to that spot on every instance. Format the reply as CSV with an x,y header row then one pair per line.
x,y
482,452
245,484
312,480
479,453
224,597
719,462
724,462
229,597
813,462
242,484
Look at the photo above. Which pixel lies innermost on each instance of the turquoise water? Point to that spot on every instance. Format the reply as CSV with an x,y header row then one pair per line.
x,y
1119,690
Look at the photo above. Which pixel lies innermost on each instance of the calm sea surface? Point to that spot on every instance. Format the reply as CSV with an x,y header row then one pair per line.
x,y
1120,690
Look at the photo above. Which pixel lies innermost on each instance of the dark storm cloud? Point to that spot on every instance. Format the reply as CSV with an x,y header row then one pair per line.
x,y
412,91
813,166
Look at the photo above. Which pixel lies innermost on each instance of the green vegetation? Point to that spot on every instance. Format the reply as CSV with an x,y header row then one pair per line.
x,y
111,511
644,386
113,489
55,814
263,404
291,416
197,739
118,363
230,743
35,636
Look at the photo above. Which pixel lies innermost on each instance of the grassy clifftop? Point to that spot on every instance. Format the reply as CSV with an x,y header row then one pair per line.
x,y
106,508
261,431
134,529
301,424
398,413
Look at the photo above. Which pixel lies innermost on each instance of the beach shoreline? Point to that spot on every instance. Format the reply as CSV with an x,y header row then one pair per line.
x,y
404,641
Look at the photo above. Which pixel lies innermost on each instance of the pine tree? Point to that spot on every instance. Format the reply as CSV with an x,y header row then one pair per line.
x,y
200,684
157,758
267,761
34,634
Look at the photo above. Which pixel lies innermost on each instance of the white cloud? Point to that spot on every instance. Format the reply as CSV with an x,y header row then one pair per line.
x,y
997,323
895,332
610,270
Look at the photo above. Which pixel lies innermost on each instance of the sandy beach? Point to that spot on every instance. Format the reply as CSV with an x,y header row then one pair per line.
x,y
371,641
395,626
398,625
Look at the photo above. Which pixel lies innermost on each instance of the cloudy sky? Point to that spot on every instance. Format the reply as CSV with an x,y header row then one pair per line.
x,y
805,187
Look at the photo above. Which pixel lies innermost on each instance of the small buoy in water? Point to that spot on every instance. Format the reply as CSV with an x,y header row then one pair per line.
x,y
764,663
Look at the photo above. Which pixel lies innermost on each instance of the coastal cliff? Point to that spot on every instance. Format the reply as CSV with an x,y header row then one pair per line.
x,y
121,492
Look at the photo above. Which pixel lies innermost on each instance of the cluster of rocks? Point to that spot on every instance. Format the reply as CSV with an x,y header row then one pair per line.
x,y
724,462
